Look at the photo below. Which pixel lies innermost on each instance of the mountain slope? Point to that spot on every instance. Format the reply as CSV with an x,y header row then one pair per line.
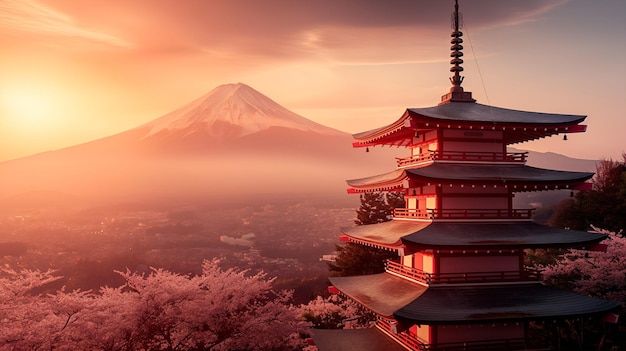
x,y
233,142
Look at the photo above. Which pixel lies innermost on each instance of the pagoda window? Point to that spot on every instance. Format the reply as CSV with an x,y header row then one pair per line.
x,y
407,261
433,147
416,151
412,203
431,203
421,332
427,262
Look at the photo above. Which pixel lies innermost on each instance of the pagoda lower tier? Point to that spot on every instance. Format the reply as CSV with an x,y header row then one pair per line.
x,y
440,317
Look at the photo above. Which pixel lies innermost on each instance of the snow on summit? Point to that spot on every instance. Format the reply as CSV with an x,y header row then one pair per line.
x,y
231,111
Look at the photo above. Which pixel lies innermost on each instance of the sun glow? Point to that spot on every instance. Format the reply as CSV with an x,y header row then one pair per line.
x,y
29,108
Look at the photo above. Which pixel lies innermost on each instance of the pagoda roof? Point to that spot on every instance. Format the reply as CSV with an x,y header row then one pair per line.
x,y
506,174
475,112
498,303
382,293
499,235
519,125
387,234
392,296
368,339
469,235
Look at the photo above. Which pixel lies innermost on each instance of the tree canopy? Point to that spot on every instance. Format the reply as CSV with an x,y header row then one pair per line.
x,y
216,310
604,206
592,273
355,259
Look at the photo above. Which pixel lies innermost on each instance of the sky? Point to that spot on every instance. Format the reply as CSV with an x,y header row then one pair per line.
x,y
73,71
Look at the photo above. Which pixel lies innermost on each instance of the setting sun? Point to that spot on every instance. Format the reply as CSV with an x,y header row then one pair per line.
x,y
27,107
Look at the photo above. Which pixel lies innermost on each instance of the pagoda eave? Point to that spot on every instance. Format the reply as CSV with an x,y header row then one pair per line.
x,y
382,293
386,235
499,303
511,174
500,247
533,133
516,187
517,178
382,188
479,114
396,133
518,126
396,246
495,236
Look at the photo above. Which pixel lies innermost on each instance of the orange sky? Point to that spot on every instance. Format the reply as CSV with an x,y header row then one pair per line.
x,y
73,70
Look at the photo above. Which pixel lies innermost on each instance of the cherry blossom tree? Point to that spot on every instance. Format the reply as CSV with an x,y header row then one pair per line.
x,y
24,319
216,310
593,273
335,312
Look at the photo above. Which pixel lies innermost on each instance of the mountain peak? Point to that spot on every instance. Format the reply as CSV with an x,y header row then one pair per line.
x,y
231,111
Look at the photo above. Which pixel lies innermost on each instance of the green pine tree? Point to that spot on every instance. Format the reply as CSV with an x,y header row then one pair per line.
x,y
355,259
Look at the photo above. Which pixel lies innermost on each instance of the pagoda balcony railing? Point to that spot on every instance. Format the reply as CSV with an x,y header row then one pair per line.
x,y
413,343
464,213
466,156
461,277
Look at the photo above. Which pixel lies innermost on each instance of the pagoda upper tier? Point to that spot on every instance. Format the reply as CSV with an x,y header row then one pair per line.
x,y
516,126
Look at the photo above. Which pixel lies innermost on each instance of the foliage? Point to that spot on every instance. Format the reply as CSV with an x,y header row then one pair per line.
x,y
395,200
604,206
593,273
355,259
374,209
216,310
534,258
335,312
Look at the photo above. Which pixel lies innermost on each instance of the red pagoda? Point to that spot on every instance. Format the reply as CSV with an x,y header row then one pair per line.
x,y
460,282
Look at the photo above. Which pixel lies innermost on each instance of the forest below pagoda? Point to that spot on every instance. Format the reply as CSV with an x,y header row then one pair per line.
x,y
222,304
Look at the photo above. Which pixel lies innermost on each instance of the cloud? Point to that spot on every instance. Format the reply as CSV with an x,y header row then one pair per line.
x,y
343,32
32,17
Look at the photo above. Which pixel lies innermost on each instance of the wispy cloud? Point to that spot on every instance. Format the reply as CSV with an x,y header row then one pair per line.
x,y
33,17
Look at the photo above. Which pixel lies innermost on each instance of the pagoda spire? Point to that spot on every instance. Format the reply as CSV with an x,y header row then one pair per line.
x,y
457,52
456,91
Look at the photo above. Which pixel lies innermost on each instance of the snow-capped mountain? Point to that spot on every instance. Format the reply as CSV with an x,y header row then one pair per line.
x,y
233,142
231,111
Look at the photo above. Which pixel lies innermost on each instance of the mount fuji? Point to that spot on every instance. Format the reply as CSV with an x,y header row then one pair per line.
x,y
231,111
232,142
